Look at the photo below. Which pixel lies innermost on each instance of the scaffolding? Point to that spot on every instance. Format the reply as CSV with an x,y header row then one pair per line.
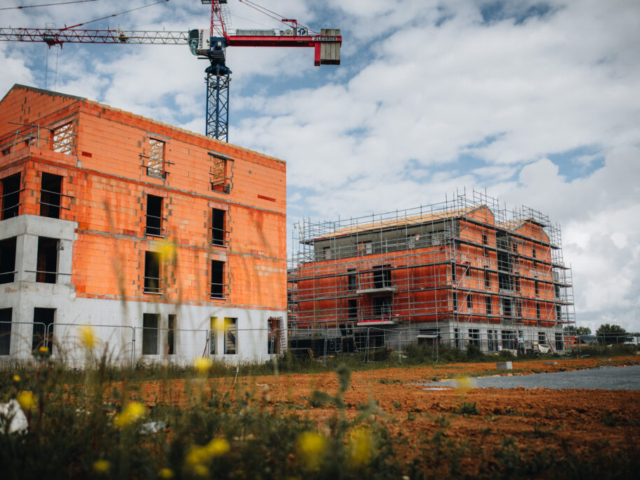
x,y
464,267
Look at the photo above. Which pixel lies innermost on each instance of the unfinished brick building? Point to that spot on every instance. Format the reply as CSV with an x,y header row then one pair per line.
x,y
148,232
460,272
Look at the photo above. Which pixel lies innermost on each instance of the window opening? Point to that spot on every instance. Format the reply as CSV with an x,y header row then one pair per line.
x,y
352,279
382,307
10,196
559,342
455,301
453,273
509,340
218,232
42,326
535,253
487,280
470,302
217,279
152,272
47,262
156,159
485,239
326,253
558,312
7,260
538,314
537,287
154,216
474,336
63,139
150,333
50,195
220,178
488,304
506,307
231,336
171,335
353,309
365,248
542,338
5,331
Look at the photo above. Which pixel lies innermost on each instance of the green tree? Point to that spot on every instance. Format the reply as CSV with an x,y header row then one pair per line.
x,y
572,330
610,333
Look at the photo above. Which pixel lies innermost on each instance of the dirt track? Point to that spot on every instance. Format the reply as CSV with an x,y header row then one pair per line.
x,y
537,418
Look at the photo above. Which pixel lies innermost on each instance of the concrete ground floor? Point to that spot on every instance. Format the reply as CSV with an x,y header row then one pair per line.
x,y
39,314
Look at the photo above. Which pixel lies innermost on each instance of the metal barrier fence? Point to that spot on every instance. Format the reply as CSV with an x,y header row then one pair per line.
x,y
127,344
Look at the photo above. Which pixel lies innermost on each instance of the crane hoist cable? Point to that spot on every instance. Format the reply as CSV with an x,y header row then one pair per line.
x,y
46,5
113,15
271,14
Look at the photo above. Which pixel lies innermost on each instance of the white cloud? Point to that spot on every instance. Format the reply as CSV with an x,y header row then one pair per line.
x,y
424,87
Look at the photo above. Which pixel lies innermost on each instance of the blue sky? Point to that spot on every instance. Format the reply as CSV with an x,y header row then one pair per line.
x,y
536,102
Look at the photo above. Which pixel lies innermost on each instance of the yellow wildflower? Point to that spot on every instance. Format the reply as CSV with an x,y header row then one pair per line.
x,y
166,473
167,250
26,400
464,384
218,447
311,447
360,447
201,471
219,325
44,350
101,466
202,364
16,378
88,337
130,414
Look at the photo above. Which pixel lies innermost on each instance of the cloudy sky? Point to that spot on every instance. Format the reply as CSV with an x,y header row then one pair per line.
x,y
536,102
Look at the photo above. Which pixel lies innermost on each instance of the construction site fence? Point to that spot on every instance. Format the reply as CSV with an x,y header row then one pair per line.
x,y
122,344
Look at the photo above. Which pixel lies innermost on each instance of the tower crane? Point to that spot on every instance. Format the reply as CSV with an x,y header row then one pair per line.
x,y
207,44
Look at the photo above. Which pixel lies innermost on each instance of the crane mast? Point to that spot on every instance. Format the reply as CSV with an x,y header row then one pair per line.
x,y
208,45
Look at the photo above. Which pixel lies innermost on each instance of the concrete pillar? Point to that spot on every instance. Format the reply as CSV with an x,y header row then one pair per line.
x,y
65,261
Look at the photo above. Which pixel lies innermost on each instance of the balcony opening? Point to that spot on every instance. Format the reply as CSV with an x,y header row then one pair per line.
x,y
353,309
506,307
231,336
10,196
7,260
50,195
43,328
150,333
218,231
5,331
171,335
47,265
156,159
559,342
154,216
558,312
382,276
217,279
382,307
152,272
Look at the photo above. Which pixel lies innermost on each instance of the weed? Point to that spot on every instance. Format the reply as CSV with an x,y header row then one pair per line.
x,y
467,408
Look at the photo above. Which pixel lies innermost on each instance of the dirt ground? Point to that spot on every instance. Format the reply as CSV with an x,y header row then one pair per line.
x,y
538,418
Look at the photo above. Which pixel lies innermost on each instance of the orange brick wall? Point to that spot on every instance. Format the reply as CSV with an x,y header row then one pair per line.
x,y
108,185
